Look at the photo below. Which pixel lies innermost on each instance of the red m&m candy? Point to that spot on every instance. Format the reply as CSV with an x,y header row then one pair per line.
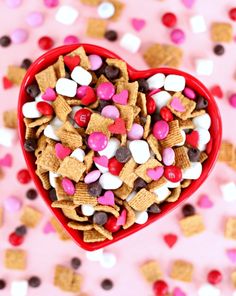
x,y
115,166
45,43
15,240
45,108
23,176
169,19
166,114
173,173
214,277
151,105
82,117
232,14
160,288
111,224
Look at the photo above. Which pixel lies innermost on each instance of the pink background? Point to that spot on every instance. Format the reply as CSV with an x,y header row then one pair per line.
x,y
205,251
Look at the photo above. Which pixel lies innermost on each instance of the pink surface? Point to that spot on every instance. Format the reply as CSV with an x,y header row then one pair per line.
x,y
205,251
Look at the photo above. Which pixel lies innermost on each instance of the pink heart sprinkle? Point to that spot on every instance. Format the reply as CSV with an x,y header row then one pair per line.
x,y
49,95
48,228
68,186
177,105
107,199
178,292
121,98
188,3
6,161
231,255
204,202
101,160
62,151
138,24
156,173
121,220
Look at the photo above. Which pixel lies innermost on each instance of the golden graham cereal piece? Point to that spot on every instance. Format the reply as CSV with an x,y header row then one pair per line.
x,y
127,113
67,280
127,174
16,74
122,66
100,229
96,27
92,236
181,158
99,123
233,278
182,271
222,32
175,193
10,118
71,168
15,259
192,225
30,217
84,60
142,200
230,228
48,159
46,78
227,152
59,68
61,108
151,271
174,137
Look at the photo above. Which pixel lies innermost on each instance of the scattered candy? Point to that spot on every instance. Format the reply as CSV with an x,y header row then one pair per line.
x,y
169,19
66,87
12,204
214,277
23,176
95,61
160,130
138,24
208,290
71,39
204,202
106,10
232,100
130,42
109,181
97,141
177,36
35,19
170,239
51,3
204,67
66,15
19,36
19,288
92,176
68,186
198,24
228,191
174,83
140,151
45,42
156,81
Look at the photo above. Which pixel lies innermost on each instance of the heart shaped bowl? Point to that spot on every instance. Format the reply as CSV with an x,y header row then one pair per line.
x,y
215,130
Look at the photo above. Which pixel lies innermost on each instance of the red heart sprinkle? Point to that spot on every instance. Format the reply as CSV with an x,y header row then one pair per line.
x,y
192,139
216,91
71,62
118,127
89,97
170,239
6,83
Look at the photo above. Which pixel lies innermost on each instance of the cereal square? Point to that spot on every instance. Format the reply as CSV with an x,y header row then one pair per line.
x,y
96,28
132,89
127,174
142,200
130,216
46,78
182,271
59,68
63,235
63,278
122,66
69,136
192,225
98,123
142,103
233,278
16,74
151,271
222,32
30,217
226,152
76,283
92,236
127,113
141,170
154,144
175,194
61,108
181,158
72,168
82,196
91,2
48,159
10,118
230,228
119,6
174,137
123,191
15,259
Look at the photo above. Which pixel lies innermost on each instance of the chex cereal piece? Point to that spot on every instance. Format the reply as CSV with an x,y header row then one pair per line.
x,y
63,235
142,103
141,170
222,32
63,204
82,196
123,191
29,132
203,157
10,118
69,136
84,60
92,236
147,127
80,226
63,277
107,209
72,168
174,137
192,225
122,66
48,159
186,124
100,229
40,121
76,283
15,259
1,216
163,55
131,87
59,68
187,104
88,160
185,183
233,278
90,2
197,113
96,28
46,78
119,6
226,152
154,144
44,177
136,111
61,108
127,174
182,271
151,271
142,200
72,214
15,74
156,184
30,217
99,123
175,194
232,163
230,228
60,193
127,113
40,129
181,158
130,217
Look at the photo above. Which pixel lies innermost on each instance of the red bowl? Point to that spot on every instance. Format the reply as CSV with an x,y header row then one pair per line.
x,y
216,133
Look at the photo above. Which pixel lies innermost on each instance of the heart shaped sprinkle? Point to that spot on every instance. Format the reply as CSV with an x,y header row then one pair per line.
x,y
178,292
108,199
48,228
204,202
49,95
118,127
6,161
72,62
177,105
121,220
62,151
156,173
188,3
216,91
231,255
138,24
192,139
121,98
101,160
170,239
6,83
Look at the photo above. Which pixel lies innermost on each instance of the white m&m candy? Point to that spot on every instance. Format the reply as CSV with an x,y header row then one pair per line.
x,y
66,87
81,76
140,151
174,83
109,181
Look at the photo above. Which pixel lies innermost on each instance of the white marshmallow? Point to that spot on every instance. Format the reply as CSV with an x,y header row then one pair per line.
x,y
30,110
108,260
228,191
193,172
208,290
52,179
183,140
141,217
56,122
8,136
174,83
50,132
162,193
110,150
78,154
66,15
140,151
156,81
198,24
87,210
66,87
204,67
170,184
81,76
19,288
106,10
130,196
161,99
109,181
130,42
204,136
101,168
201,147
202,121
94,255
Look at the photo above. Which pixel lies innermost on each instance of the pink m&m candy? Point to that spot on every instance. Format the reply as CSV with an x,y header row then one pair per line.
x,y
95,61
110,111
71,39
68,186
177,36
13,3
51,3
97,141
189,93
12,204
168,156
35,19
92,177
160,129
19,36
232,100
136,132
105,91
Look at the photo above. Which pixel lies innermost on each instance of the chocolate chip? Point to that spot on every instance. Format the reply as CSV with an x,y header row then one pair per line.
x,y
95,189
26,63
2,284
102,104
101,70
34,282
219,49
31,194
21,230
33,90
67,75
188,210
123,154
107,284
154,208
139,183
156,117
5,41
30,145
112,72
75,263
100,218
202,103
143,85
52,194
111,35
193,154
